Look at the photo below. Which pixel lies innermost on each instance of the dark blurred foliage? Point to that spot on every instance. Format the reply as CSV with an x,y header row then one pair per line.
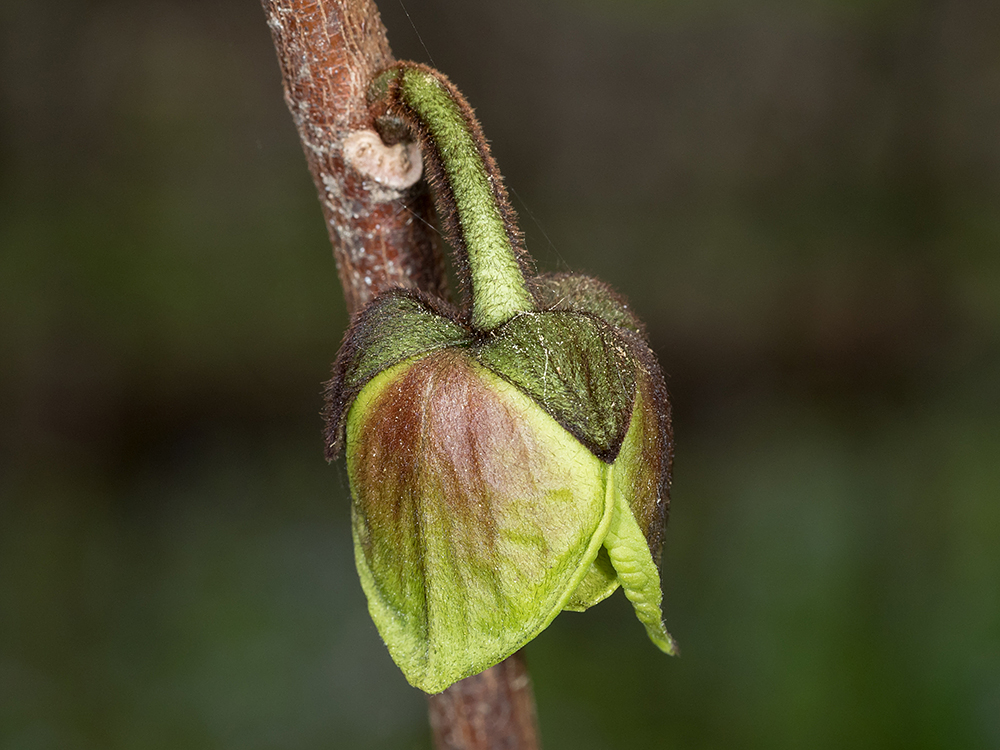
x,y
801,198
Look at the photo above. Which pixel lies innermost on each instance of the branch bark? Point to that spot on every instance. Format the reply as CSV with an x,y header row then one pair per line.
x,y
493,710
383,236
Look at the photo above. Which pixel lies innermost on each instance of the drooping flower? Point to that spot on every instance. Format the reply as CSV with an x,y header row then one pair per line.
x,y
507,461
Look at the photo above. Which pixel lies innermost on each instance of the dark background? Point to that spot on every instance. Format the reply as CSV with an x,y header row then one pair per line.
x,y
801,199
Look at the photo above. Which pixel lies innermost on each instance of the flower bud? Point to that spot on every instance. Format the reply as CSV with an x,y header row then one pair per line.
x,y
507,461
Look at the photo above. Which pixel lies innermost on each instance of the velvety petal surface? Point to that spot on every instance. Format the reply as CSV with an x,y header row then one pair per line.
x,y
476,515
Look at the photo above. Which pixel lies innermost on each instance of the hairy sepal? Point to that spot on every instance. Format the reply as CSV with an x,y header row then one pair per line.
x,y
576,367
395,326
578,293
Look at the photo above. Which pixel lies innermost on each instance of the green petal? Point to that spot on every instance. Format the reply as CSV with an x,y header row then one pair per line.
x,y
643,463
576,367
637,573
476,515
626,542
600,582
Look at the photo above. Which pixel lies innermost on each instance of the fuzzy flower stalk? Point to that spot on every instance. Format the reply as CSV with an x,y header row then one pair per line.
x,y
508,459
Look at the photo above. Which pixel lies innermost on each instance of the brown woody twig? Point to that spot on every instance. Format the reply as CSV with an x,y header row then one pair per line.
x,y
382,234
493,710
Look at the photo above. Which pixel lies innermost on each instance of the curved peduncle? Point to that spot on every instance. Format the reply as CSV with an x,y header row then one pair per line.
x,y
467,186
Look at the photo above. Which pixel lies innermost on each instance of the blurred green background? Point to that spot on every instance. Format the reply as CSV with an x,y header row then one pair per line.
x,y
801,199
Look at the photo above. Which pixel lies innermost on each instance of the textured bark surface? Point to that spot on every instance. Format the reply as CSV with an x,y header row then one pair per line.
x,y
382,237
494,710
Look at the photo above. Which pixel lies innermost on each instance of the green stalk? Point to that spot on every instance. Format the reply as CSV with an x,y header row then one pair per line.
x,y
499,291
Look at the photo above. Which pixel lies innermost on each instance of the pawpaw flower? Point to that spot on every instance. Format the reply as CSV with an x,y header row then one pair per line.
x,y
507,461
